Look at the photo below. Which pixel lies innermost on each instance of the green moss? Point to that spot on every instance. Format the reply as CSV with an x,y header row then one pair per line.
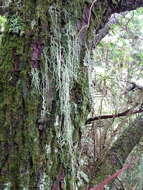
x,y
18,113
22,104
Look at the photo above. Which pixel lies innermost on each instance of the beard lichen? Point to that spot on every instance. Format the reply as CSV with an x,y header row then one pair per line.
x,y
61,66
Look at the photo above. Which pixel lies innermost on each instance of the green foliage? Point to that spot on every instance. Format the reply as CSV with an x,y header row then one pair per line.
x,y
2,21
119,59
16,25
116,61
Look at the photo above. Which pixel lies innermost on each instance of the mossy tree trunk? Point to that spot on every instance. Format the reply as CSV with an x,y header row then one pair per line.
x,y
44,90
119,151
43,100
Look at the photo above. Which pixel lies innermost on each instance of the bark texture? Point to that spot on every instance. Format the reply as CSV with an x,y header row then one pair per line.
x,y
120,150
44,89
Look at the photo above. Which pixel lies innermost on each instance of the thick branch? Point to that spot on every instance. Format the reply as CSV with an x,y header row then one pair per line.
x,y
97,14
110,7
104,31
127,5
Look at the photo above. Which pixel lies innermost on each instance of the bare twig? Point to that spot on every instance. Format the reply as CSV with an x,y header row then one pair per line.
x,y
89,18
125,113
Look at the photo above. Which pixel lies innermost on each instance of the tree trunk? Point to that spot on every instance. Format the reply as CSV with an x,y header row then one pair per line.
x,y
119,151
44,91
43,96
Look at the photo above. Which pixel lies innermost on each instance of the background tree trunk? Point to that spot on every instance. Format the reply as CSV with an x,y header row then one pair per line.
x,y
119,151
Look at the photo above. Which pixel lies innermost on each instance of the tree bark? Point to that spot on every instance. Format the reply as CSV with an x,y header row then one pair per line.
x,y
44,90
119,151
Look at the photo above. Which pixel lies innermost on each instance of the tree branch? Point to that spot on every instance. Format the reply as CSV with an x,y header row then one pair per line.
x,y
99,20
104,31
127,5
125,113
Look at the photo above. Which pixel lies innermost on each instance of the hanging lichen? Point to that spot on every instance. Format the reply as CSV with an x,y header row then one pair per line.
x,y
65,65
63,59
